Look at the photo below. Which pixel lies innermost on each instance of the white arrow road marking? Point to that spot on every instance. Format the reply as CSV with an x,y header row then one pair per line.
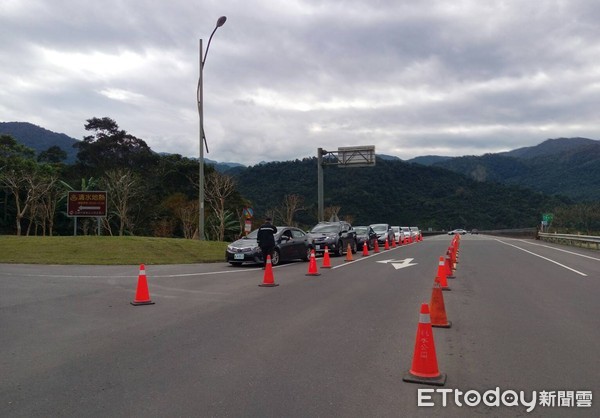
x,y
399,264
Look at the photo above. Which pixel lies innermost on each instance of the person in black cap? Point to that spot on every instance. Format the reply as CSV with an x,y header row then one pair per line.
x,y
266,239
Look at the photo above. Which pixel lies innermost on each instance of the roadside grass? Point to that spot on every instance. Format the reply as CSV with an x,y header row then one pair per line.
x,y
107,250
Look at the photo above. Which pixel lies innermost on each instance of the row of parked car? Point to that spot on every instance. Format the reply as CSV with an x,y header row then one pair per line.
x,y
292,243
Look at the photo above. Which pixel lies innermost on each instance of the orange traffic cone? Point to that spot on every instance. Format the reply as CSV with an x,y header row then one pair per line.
x,y
376,249
393,243
424,365
449,271
142,296
349,254
387,245
441,274
312,266
326,259
268,279
437,307
365,249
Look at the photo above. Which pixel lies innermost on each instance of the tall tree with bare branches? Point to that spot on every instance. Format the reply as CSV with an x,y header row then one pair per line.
x,y
289,206
218,187
122,187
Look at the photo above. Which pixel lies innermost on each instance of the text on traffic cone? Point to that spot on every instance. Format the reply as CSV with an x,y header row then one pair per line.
x,y
424,367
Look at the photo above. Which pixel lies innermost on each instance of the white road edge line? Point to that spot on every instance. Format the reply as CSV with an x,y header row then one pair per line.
x,y
545,258
560,249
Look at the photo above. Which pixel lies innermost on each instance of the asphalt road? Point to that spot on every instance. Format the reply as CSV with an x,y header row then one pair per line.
x,y
525,317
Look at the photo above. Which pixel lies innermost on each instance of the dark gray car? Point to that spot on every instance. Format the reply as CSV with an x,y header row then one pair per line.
x,y
290,244
335,235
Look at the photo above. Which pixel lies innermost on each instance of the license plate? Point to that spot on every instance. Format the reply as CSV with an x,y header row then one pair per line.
x,y
238,256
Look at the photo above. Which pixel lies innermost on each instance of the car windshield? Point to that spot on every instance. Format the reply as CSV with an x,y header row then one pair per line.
x,y
396,228
379,227
405,229
325,228
254,234
360,230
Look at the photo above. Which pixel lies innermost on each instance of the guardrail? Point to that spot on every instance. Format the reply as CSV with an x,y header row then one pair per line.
x,y
512,233
584,241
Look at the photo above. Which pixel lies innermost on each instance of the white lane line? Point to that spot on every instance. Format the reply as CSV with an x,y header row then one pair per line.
x,y
545,258
129,276
560,249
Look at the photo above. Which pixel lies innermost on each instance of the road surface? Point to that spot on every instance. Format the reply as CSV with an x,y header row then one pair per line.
x,y
525,317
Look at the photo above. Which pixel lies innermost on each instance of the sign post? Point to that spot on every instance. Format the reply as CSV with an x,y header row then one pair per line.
x,y
248,215
546,220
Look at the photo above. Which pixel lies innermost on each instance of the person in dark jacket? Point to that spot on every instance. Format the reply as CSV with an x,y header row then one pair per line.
x,y
266,239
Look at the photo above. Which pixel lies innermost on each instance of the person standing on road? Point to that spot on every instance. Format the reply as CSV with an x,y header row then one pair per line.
x,y
266,239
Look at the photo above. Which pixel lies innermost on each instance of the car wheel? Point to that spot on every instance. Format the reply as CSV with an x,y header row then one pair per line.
x,y
275,260
340,249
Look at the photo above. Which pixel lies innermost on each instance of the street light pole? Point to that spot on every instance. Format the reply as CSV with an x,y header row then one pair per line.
x,y
202,141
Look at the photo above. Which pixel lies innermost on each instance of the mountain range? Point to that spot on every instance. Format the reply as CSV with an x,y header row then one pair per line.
x,y
564,166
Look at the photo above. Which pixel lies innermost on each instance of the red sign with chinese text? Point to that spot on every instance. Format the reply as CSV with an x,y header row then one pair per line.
x,y
92,203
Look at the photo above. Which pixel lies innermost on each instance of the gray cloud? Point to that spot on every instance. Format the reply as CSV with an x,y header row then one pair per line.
x,y
284,78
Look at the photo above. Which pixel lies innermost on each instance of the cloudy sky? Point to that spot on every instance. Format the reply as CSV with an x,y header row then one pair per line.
x,y
283,78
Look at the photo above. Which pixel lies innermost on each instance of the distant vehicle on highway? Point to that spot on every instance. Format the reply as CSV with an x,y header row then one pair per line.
x,y
366,234
457,231
384,232
474,231
335,235
290,244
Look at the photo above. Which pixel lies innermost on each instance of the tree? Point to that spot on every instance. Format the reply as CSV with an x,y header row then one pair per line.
x,y
290,205
218,187
11,150
48,194
112,148
18,174
122,187
186,212
26,182
53,155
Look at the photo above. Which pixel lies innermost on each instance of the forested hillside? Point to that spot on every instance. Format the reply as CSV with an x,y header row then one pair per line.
x,y
156,194
39,139
396,192
569,167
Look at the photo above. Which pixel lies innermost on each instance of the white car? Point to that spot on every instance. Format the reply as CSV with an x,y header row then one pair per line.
x,y
405,231
414,231
397,232
457,231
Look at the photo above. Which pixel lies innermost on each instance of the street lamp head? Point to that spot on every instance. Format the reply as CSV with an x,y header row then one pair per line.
x,y
221,21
